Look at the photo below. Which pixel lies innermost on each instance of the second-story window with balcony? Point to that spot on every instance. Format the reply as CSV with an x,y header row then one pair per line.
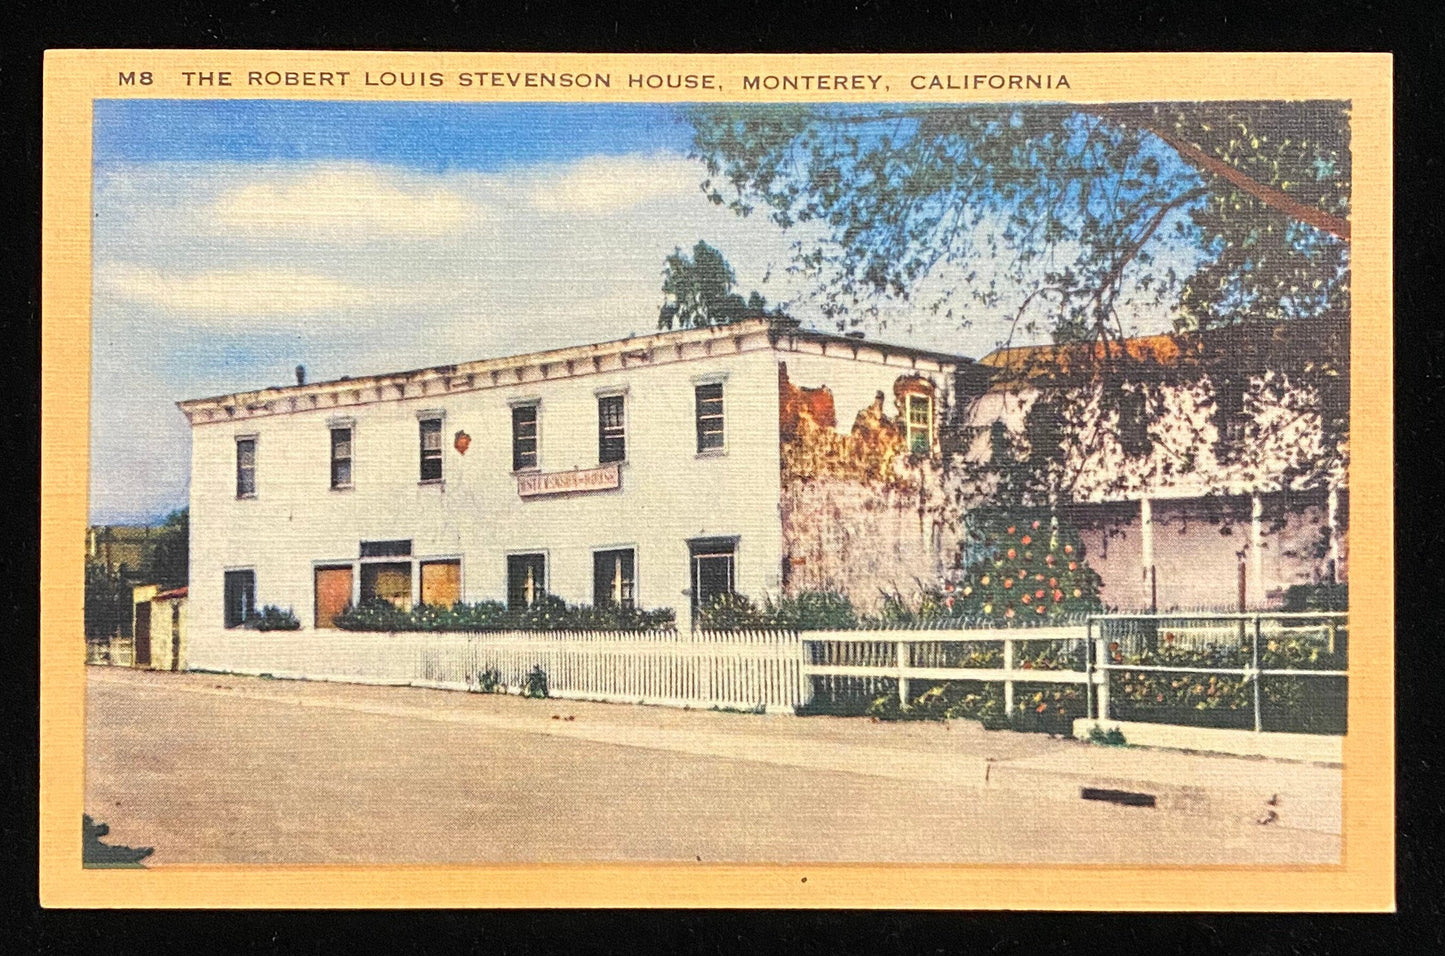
x,y
341,456
431,449
246,467
524,436
709,417
611,429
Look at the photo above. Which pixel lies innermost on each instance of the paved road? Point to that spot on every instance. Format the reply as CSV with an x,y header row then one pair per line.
x,y
221,769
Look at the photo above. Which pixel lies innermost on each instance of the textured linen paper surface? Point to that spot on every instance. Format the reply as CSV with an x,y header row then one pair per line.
x,y
669,480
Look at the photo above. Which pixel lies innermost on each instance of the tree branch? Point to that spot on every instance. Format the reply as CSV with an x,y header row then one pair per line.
x,y
1266,194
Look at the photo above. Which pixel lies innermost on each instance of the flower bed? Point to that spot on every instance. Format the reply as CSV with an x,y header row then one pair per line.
x,y
1194,699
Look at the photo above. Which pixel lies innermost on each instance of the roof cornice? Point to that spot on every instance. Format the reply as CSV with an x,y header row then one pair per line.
x,y
503,371
659,348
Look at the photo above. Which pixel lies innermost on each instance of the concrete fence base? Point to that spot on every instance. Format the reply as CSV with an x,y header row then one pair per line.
x,y
1306,748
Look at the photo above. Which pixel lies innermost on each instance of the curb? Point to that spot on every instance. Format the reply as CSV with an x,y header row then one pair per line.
x,y
1281,800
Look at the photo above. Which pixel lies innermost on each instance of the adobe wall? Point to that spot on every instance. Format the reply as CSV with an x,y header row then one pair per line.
x,y
860,514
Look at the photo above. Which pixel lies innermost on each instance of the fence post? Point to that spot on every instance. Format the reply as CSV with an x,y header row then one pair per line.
x,y
1254,654
1101,653
1008,684
1089,668
902,680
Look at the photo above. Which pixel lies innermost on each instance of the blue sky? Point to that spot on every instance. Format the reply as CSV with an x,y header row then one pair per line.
x,y
436,137
234,240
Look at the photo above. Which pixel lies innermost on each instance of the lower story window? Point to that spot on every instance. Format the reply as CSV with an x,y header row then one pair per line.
x,y
441,583
614,578
387,581
240,597
714,570
526,580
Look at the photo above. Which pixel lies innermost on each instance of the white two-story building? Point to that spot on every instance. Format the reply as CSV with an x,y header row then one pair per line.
x,y
648,471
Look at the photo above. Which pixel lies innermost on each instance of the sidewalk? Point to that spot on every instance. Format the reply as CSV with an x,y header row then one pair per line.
x,y
954,754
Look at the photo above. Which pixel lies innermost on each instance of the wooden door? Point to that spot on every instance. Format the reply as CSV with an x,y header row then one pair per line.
x,y
143,635
333,593
441,583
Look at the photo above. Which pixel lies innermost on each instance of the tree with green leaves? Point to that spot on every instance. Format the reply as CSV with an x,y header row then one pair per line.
x,y
107,602
699,291
169,564
1074,220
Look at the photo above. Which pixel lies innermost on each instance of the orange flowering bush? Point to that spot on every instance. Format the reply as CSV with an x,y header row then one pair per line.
x,y
1033,572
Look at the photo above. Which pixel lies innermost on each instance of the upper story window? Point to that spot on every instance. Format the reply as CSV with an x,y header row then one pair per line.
x,y
431,449
920,424
246,467
341,456
524,436
709,417
611,428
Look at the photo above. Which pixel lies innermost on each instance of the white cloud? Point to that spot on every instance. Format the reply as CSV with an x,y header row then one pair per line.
x,y
246,270
341,201
278,291
601,185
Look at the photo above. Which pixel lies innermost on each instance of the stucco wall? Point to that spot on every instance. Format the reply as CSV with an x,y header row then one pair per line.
x,y
668,492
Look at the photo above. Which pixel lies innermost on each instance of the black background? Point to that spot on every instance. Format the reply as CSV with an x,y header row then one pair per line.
x,y
1417,36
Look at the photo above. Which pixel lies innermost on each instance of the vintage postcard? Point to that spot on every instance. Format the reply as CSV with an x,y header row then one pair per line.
x,y
938,481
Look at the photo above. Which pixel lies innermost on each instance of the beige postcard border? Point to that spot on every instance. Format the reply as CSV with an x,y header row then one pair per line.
x,y
1364,881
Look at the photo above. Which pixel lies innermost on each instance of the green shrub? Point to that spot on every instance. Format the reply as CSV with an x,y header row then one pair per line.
x,y
1317,597
535,683
273,618
807,611
1303,705
812,611
1113,737
1049,709
489,681
949,700
549,614
731,612
97,855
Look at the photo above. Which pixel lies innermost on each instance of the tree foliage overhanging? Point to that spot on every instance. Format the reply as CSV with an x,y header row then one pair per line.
x,y
1071,220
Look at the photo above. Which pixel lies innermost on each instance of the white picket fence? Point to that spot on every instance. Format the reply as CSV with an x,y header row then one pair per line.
x,y
740,670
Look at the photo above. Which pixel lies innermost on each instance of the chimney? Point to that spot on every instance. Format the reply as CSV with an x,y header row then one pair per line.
x,y
300,375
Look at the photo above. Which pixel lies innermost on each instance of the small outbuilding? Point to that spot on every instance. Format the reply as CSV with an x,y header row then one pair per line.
x,y
159,626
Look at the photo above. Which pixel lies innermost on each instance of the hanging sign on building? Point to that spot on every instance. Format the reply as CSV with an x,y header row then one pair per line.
x,y
604,478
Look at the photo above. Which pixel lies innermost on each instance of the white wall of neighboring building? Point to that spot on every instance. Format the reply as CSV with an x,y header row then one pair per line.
x,y
1197,544
668,493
